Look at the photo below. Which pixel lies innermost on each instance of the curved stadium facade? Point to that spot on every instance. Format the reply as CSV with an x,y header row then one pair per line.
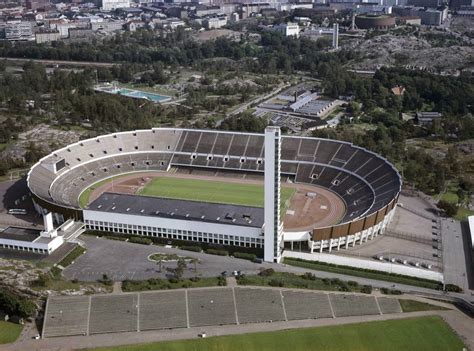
x,y
368,184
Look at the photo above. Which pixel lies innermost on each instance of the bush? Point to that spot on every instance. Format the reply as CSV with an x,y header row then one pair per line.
x,y
245,256
275,282
309,276
453,288
266,272
217,252
449,208
366,289
221,281
352,283
387,291
138,240
191,248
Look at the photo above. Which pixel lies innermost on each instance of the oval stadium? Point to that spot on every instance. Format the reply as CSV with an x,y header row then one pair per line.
x,y
221,188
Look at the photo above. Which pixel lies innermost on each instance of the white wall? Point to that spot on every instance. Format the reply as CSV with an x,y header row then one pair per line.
x,y
367,264
170,223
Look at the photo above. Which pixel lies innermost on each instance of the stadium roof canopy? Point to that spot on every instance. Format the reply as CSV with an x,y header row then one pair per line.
x,y
179,209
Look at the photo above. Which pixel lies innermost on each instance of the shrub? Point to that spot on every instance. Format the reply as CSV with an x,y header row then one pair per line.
x,y
221,281
309,276
266,272
366,289
245,256
138,240
191,248
217,252
275,282
352,283
16,305
453,288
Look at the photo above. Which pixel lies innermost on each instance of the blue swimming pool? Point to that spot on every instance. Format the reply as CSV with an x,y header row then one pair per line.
x,y
137,94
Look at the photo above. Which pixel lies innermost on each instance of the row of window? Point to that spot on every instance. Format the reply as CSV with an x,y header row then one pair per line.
x,y
176,234
23,248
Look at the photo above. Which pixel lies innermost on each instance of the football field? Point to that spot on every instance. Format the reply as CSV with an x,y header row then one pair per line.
x,y
210,191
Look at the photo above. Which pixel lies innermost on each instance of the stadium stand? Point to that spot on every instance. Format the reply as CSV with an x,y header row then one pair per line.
x,y
111,314
211,307
256,305
353,305
156,305
66,315
306,305
389,305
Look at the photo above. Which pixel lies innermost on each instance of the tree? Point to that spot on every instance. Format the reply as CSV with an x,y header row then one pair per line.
x,y
159,263
450,209
180,267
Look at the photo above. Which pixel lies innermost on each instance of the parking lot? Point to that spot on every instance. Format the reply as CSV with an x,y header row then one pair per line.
x,y
122,260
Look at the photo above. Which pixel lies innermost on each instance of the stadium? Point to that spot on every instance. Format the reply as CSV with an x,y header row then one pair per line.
x,y
219,187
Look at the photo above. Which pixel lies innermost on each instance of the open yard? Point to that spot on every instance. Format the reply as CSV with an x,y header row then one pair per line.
x,y
210,191
9,332
425,333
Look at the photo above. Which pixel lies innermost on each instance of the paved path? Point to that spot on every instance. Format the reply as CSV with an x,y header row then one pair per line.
x,y
454,260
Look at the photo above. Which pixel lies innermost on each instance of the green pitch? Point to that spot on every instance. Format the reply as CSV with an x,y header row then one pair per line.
x,y
210,191
420,334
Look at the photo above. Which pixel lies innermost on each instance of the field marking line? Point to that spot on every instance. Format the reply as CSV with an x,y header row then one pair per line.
x,y
138,312
283,305
378,306
89,316
330,306
187,308
235,307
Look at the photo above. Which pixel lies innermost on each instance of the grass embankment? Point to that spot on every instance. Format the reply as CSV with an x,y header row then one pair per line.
x,y
211,191
426,333
9,332
53,280
167,284
417,306
364,273
306,281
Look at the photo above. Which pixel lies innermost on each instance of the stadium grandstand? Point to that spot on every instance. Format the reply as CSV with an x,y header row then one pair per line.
x,y
367,184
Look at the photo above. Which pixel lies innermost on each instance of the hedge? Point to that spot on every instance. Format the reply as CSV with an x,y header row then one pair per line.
x,y
191,248
138,240
245,256
217,252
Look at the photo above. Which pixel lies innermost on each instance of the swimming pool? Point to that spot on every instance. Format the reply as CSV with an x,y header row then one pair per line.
x,y
137,94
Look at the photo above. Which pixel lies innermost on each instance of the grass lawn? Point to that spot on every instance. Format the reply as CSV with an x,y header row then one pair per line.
x,y
165,284
211,191
9,332
426,333
463,213
417,306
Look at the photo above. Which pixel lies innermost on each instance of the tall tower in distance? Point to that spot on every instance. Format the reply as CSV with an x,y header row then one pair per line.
x,y
273,229
335,36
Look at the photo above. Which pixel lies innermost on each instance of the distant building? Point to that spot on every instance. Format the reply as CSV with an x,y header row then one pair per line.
x,y
411,20
383,22
108,26
37,4
47,37
17,30
109,5
425,3
215,22
429,17
288,29
426,118
132,26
